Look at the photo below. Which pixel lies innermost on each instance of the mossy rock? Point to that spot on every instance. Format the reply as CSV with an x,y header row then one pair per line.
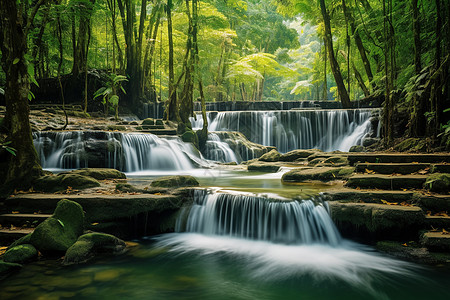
x,y
299,153
263,167
60,231
159,122
356,148
126,188
116,128
412,145
320,173
20,254
100,173
439,183
189,136
6,267
333,161
271,156
90,245
60,182
175,181
23,240
148,121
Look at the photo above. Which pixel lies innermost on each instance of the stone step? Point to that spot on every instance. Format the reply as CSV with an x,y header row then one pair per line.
x,y
22,219
161,131
8,236
436,241
440,168
435,203
147,127
369,196
397,158
391,168
387,182
438,222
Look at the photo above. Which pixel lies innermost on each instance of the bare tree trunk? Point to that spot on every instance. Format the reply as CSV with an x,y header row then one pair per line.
x,y
333,62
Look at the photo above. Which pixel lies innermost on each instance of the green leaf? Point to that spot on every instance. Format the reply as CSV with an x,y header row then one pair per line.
x,y
114,100
2,91
60,222
11,150
16,60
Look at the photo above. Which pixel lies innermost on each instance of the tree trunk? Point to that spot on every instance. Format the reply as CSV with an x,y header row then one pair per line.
x,y
333,62
80,51
24,167
172,107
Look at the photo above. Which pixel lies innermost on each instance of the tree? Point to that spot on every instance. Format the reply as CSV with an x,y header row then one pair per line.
x,y
24,167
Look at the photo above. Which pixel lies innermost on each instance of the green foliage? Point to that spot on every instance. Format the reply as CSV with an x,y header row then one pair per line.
x,y
109,92
8,148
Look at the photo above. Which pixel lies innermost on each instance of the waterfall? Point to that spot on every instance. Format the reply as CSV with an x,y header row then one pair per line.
x,y
259,218
128,152
327,130
217,150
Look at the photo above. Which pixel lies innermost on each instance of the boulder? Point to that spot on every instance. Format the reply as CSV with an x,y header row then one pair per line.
x,y
189,136
148,121
271,156
61,182
99,173
175,181
367,142
159,122
90,245
412,145
127,188
20,254
263,167
439,183
333,161
319,173
23,240
299,153
357,148
60,231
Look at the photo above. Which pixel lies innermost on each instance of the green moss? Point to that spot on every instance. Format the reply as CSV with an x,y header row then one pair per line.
x,y
20,254
59,232
439,182
189,136
356,148
23,240
412,145
271,156
322,174
100,173
148,121
296,154
126,188
60,182
175,181
91,244
159,122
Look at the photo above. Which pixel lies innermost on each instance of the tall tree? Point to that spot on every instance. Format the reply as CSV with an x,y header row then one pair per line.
x,y
15,24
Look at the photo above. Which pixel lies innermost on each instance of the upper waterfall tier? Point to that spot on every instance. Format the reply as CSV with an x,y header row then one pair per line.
x,y
127,152
258,218
327,130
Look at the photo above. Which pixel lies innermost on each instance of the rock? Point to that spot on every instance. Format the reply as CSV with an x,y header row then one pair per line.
x,y
20,254
99,173
126,188
61,182
148,121
367,142
189,136
59,232
333,161
159,122
299,153
436,241
263,167
271,156
243,148
6,267
319,173
23,240
356,148
175,181
439,182
90,245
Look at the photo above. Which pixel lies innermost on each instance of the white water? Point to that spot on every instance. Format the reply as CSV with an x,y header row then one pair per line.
x,y
327,130
122,151
217,150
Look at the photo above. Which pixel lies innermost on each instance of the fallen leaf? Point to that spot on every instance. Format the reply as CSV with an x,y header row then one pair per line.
x,y
93,224
428,214
445,231
14,212
406,245
433,229
389,203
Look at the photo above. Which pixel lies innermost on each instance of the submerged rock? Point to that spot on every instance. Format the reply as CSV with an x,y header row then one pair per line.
x,y
59,232
175,181
439,183
20,254
61,182
7,267
320,173
90,245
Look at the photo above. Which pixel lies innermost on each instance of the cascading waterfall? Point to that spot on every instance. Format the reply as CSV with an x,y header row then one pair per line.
x,y
123,151
259,218
327,130
217,150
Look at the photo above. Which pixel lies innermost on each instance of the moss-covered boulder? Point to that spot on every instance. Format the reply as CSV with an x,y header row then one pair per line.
x,y
99,173
126,188
175,181
61,182
189,136
412,145
263,167
333,161
23,240
6,267
439,183
92,244
159,122
357,148
320,173
297,154
148,121
271,156
60,231
20,254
